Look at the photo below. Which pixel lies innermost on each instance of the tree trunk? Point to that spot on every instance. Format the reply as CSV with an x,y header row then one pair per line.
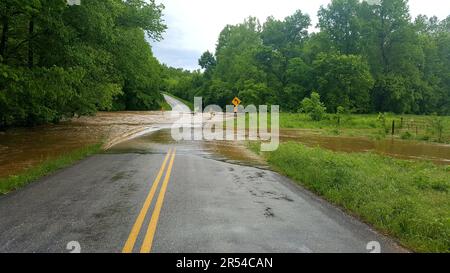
x,y
4,40
30,43
383,42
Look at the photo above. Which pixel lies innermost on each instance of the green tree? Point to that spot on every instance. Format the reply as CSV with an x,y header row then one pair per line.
x,y
344,80
207,61
298,82
59,61
392,48
235,55
366,58
313,107
340,21
283,35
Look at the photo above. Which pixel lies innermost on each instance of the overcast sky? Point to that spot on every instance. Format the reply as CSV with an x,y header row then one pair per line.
x,y
194,25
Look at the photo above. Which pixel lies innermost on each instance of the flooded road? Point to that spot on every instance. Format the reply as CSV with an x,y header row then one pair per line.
x,y
22,148
411,150
115,201
227,151
236,152
26,147
132,198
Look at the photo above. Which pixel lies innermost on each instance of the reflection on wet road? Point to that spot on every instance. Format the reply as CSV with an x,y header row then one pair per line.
x,y
228,151
236,152
218,202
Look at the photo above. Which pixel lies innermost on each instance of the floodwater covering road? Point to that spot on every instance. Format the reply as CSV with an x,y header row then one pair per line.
x,y
22,148
153,194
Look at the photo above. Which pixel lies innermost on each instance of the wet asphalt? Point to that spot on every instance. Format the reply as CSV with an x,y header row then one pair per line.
x,y
210,205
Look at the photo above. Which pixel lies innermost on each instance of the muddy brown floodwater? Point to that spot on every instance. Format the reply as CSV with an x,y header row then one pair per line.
x,y
26,147
236,152
437,153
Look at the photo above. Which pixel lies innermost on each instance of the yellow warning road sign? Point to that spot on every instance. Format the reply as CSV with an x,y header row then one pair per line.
x,y
236,101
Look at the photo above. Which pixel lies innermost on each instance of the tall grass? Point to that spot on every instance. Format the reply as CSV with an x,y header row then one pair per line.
x,y
408,200
47,167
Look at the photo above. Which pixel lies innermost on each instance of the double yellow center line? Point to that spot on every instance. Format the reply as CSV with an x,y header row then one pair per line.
x,y
148,240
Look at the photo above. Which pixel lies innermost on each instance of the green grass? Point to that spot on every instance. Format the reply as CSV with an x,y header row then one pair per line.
x,y
369,126
188,103
47,167
407,200
165,106
298,120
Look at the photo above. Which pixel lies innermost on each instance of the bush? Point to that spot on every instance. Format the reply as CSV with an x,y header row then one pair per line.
x,y
313,107
406,135
340,112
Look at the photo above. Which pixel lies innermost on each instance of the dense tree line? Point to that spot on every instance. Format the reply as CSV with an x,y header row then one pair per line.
x,y
365,58
60,61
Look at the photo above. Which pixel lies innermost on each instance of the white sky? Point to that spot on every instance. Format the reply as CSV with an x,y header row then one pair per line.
x,y
194,25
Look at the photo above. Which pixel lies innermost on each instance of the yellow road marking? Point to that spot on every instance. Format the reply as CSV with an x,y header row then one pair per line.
x,y
148,241
129,245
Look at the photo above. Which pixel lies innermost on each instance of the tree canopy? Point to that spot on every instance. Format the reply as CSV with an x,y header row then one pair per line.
x,y
58,61
364,58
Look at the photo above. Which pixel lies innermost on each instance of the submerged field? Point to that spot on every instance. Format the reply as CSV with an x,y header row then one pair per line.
x,y
407,127
407,200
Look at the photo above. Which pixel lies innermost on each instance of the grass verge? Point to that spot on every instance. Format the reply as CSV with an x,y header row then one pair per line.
x,y
165,106
47,167
407,200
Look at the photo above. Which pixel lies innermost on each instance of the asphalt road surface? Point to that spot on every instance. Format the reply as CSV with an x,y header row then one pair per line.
x,y
152,194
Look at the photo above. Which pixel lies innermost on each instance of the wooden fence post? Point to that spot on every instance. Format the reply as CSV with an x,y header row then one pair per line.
x,y
393,127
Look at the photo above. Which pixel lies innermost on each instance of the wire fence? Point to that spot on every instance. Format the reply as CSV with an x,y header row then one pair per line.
x,y
426,127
